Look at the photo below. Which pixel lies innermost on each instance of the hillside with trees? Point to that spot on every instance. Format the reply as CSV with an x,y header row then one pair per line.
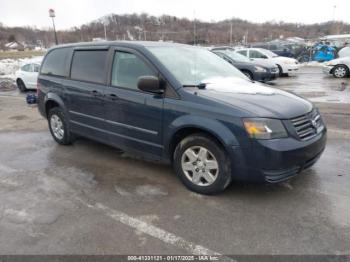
x,y
171,28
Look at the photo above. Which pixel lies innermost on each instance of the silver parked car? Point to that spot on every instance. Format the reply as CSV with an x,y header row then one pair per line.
x,y
339,68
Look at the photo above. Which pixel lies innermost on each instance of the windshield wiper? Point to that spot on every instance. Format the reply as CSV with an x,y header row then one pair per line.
x,y
199,86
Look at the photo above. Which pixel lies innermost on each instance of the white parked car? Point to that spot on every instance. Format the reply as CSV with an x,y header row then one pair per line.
x,y
339,67
27,75
286,65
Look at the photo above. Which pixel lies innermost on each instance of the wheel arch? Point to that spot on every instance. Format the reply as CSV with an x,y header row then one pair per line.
x,y
245,70
346,66
53,100
189,125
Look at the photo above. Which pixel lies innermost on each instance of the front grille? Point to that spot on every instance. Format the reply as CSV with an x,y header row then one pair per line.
x,y
308,125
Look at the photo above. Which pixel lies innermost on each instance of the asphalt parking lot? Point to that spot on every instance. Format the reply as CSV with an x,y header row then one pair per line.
x,y
89,198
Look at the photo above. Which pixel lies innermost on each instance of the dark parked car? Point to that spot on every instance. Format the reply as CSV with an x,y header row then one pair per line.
x,y
253,70
182,105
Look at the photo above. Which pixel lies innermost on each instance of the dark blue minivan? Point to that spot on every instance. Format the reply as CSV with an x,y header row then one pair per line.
x,y
179,104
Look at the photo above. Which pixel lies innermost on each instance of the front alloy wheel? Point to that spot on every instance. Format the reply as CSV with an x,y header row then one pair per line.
x,y
200,166
340,71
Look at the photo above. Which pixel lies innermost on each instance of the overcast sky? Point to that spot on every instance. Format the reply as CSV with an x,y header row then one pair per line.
x,y
71,13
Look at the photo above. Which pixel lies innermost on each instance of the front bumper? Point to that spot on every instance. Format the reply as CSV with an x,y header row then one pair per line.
x,y
277,160
290,68
265,76
327,69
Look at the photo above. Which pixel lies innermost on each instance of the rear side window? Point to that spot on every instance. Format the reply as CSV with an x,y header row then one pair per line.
x,y
89,65
55,62
243,52
256,54
127,68
26,68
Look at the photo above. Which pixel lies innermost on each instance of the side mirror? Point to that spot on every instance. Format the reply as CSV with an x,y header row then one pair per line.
x,y
149,84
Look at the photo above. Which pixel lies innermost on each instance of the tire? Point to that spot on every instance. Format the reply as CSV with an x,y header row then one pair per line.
x,y
58,126
197,176
248,74
21,86
340,71
280,70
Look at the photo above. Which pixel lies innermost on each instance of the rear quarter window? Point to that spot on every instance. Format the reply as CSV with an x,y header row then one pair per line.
x,y
89,65
56,62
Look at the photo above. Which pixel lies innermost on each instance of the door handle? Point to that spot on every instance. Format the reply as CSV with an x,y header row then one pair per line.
x,y
96,93
113,97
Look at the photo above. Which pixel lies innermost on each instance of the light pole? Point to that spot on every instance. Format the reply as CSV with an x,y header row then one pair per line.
x,y
52,15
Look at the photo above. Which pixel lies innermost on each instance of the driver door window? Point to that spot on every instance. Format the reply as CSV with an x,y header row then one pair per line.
x,y
127,68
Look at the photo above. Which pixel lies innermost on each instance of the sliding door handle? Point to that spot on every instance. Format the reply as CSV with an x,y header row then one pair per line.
x,y
113,97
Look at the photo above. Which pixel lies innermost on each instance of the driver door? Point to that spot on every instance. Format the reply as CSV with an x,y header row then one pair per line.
x,y
133,117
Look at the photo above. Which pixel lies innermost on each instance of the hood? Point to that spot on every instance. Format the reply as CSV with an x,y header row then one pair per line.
x,y
285,59
240,64
265,63
342,60
257,99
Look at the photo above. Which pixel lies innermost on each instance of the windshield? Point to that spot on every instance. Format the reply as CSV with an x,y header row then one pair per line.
x,y
191,65
268,53
235,56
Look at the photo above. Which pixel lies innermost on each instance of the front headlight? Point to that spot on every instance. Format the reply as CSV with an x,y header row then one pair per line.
x,y
264,128
329,64
259,69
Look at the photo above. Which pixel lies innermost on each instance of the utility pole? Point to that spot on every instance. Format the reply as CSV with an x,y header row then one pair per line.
x,y
104,26
52,15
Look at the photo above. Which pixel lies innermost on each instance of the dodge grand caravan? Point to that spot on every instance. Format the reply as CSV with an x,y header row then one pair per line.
x,y
179,104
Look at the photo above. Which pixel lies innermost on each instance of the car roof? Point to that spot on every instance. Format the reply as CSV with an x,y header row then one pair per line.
x,y
119,43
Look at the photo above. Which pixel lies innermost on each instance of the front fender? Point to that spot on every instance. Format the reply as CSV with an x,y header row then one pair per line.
x,y
214,127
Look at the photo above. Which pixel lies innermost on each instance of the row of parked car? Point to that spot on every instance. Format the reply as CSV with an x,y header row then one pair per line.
x,y
258,64
264,65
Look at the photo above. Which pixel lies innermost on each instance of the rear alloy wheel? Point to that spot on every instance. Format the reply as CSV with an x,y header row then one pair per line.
x,y
202,164
340,71
59,127
21,86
